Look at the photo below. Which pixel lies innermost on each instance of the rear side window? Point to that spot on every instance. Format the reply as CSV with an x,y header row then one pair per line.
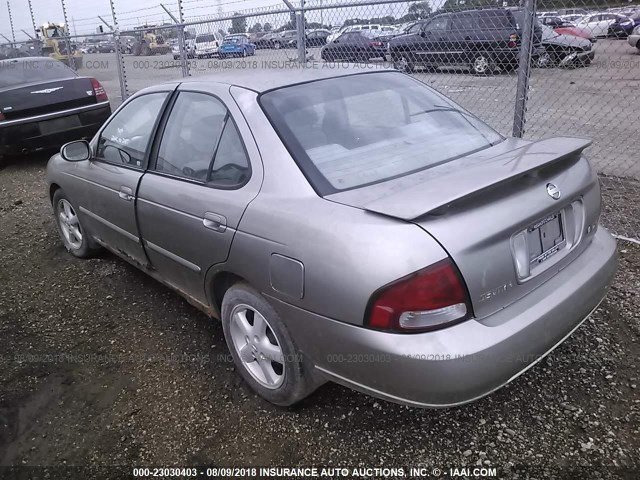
x,y
462,22
494,20
13,73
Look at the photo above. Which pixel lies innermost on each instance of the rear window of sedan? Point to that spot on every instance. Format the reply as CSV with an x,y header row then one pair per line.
x,y
356,130
14,73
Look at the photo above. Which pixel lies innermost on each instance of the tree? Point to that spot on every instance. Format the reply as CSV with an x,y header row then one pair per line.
x,y
257,27
420,10
238,24
267,27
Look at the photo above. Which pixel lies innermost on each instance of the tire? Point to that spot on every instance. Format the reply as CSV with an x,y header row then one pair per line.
x,y
244,312
83,247
482,63
277,45
244,53
546,60
403,64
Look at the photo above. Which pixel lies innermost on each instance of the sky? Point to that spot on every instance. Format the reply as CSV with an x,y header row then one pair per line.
x,y
83,18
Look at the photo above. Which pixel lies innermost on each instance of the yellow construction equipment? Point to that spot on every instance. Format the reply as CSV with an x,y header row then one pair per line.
x,y
56,45
148,42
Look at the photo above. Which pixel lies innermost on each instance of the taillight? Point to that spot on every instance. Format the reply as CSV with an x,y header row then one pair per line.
x,y
428,299
2,117
513,40
98,90
377,44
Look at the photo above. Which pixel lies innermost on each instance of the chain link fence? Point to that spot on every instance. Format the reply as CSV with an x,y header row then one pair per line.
x,y
533,69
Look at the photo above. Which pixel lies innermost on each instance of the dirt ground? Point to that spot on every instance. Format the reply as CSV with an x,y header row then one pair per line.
x,y
101,365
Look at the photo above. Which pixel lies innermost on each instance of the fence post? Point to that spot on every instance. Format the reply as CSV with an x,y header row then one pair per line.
x,y
301,38
122,74
67,38
13,33
524,68
181,42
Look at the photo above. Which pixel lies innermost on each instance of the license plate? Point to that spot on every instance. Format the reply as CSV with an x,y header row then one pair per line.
x,y
545,238
59,124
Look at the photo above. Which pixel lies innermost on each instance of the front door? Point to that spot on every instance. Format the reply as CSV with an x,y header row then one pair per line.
x,y
199,183
120,153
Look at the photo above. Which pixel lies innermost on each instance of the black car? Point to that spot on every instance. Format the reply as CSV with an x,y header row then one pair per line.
x,y
315,38
106,47
353,46
44,104
281,39
480,40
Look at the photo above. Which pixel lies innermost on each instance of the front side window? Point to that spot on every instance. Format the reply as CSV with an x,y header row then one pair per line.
x,y
125,139
439,23
357,130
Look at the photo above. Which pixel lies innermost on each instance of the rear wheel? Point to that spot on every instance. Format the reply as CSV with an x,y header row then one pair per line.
x,y
482,63
73,234
262,348
546,60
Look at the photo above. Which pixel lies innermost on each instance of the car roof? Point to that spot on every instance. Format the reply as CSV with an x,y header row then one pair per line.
x,y
272,79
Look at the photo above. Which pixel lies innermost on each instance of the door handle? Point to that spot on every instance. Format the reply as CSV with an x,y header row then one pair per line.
x,y
214,222
126,193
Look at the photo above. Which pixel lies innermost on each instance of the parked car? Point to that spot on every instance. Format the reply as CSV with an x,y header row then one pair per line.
x,y
353,46
264,41
190,48
237,46
281,39
599,24
88,48
338,214
357,28
106,46
634,38
43,104
564,50
208,44
621,27
314,38
481,40
573,11
567,28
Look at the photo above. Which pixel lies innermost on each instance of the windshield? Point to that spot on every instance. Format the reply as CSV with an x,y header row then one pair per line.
x,y
357,130
32,71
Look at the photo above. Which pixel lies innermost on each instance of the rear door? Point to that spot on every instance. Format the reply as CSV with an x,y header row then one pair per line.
x,y
111,178
199,183
431,48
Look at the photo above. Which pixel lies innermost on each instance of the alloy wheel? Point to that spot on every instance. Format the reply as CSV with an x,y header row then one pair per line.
x,y
69,224
257,346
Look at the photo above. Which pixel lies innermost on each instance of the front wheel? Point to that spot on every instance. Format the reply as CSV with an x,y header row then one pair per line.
x,y
262,348
546,60
276,45
403,64
72,233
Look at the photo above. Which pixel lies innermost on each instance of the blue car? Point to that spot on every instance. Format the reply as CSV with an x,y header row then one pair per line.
x,y
236,46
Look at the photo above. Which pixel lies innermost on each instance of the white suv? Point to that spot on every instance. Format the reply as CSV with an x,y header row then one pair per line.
x,y
207,44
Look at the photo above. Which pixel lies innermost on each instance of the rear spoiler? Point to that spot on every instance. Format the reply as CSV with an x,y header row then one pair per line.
x,y
452,181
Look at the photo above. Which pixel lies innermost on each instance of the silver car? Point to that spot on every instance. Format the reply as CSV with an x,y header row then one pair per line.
x,y
350,225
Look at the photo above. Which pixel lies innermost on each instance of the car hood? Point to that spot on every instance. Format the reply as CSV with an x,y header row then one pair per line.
x,y
573,41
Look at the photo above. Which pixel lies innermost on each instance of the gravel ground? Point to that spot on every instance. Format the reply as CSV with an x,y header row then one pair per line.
x,y
101,365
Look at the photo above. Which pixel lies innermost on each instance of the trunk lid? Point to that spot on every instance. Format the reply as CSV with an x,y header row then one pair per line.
x,y
38,98
495,215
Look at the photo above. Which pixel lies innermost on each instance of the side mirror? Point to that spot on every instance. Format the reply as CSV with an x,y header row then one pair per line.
x,y
76,151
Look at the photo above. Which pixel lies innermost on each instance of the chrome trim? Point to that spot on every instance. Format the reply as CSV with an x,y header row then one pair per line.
x,y
110,225
47,116
185,263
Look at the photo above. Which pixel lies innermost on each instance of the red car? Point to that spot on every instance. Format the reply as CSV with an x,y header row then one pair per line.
x,y
566,28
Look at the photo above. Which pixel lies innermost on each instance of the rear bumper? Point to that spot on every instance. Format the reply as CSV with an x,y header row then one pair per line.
x,y
466,361
36,133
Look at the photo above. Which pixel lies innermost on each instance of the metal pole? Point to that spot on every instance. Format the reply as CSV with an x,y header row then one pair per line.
x,y
106,23
181,42
9,41
33,20
524,69
122,75
13,33
300,24
70,60
27,34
